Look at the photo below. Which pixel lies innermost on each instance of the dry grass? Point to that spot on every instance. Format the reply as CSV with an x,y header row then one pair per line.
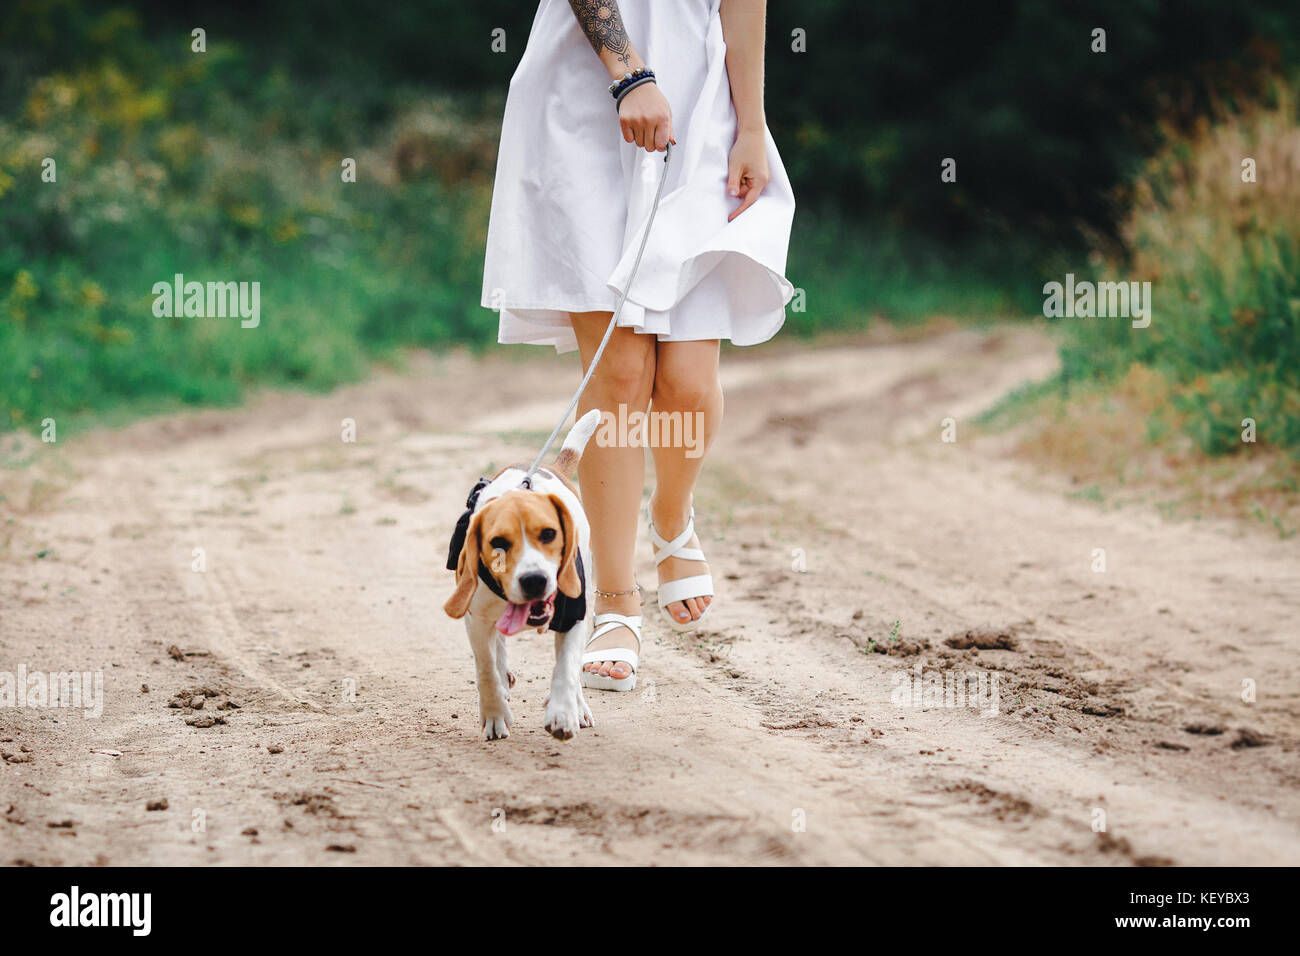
x,y
1191,200
1125,445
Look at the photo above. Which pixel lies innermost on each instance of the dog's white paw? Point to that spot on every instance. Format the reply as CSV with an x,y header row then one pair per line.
x,y
562,722
497,726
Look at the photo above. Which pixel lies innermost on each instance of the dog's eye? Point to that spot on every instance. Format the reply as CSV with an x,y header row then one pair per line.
x,y
500,544
547,535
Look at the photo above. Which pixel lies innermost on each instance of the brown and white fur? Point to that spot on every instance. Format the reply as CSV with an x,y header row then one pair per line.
x,y
529,540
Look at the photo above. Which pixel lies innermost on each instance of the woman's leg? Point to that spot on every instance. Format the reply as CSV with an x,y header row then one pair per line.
x,y
612,477
686,381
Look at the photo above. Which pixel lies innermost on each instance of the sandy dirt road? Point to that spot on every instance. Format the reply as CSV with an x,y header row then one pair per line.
x,y
771,737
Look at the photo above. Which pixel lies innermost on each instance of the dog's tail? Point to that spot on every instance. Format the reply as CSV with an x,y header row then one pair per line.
x,y
566,462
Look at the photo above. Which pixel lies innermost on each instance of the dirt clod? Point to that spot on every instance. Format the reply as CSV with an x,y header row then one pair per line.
x,y
204,720
982,641
1246,737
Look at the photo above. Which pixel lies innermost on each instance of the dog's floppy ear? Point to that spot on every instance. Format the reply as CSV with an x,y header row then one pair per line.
x,y
568,581
466,569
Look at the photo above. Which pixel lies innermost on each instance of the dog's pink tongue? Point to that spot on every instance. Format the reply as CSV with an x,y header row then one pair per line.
x,y
513,620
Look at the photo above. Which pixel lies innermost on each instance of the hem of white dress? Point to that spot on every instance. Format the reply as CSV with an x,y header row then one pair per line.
x,y
723,251
563,339
554,328
569,343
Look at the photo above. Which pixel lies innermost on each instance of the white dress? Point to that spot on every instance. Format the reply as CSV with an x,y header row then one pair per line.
x,y
571,197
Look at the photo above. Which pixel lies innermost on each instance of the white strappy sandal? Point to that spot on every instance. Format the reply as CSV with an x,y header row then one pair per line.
x,y
604,623
682,589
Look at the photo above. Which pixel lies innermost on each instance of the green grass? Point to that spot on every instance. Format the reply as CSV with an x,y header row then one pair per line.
x,y
852,273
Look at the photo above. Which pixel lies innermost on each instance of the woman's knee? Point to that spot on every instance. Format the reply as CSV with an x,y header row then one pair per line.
x,y
685,388
625,374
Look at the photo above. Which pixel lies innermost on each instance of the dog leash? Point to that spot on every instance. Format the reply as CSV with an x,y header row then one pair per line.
x,y
613,321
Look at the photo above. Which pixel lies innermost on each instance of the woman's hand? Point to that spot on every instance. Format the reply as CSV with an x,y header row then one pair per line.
x,y
747,172
646,118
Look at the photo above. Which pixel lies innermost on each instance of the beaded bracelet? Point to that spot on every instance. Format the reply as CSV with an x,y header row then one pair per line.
x,y
620,88
636,74
618,100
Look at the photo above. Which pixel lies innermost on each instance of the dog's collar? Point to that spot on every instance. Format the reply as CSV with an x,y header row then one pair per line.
x,y
488,578
568,610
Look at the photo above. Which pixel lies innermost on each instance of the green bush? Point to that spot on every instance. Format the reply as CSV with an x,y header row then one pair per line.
x,y
161,171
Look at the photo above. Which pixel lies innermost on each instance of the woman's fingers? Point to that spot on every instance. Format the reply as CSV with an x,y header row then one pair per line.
x,y
652,135
734,172
663,133
749,191
747,170
646,114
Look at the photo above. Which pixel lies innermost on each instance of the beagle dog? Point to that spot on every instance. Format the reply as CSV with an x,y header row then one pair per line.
x,y
520,555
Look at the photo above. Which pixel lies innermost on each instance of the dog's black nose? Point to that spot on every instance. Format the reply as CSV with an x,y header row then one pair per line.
x,y
533,585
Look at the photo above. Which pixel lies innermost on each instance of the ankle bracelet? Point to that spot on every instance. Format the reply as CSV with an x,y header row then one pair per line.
x,y
634,589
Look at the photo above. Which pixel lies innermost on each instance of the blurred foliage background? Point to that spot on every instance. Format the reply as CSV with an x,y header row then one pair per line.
x,y
225,165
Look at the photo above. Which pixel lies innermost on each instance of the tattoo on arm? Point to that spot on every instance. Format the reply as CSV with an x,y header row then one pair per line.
x,y
603,25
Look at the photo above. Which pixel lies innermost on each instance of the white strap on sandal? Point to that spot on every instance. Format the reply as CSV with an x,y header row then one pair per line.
x,y
681,589
604,623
